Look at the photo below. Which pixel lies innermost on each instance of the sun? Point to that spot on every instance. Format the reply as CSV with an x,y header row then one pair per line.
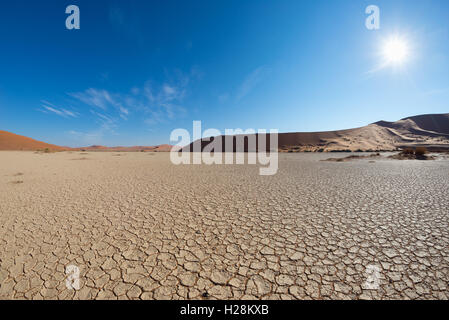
x,y
395,51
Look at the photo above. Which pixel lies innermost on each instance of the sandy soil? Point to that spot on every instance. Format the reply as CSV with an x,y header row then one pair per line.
x,y
139,227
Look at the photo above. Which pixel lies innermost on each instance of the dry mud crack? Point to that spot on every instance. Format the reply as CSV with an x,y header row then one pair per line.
x,y
139,227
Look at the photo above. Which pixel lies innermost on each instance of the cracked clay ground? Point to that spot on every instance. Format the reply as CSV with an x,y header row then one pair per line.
x,y
139,227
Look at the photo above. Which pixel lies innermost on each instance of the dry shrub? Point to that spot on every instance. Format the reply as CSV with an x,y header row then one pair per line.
x,y
410,154
420,151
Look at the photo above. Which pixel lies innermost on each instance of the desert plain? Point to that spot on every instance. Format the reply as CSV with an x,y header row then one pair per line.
x,y
139,227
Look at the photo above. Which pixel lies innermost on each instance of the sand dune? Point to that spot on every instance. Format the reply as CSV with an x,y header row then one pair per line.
x,y
11,141
424,130
159,148
430,130
433,122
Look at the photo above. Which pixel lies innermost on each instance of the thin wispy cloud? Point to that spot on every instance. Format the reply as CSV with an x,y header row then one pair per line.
x,y
164,104
104,119
123,112
251,81
154,103
106,127
48,107
151,104
102,99
94,98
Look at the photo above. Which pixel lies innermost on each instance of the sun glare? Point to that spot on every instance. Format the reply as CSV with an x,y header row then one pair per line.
x,y
395,51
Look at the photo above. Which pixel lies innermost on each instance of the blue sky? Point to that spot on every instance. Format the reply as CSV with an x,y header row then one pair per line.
x,y
136,70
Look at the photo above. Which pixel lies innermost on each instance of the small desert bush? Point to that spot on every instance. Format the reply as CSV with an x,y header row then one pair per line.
x,y
420,151
409,154
46,150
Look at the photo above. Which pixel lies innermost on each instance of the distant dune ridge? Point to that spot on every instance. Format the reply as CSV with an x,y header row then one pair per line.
x,y
11,141
160,148
431,131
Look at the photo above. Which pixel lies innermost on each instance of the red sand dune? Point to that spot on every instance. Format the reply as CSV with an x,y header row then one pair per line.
x,y
11,141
